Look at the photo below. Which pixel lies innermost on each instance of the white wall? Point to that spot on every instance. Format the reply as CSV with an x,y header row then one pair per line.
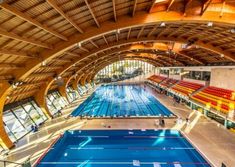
x,y
223,78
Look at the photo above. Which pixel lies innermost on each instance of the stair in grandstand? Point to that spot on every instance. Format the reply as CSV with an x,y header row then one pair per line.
x,y
201,89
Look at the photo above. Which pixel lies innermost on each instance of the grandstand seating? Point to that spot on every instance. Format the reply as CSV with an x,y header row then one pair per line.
x,y
156,78
168,82
217,98
186,88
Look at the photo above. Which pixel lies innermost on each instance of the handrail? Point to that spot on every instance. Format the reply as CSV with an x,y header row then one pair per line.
x,y
12,162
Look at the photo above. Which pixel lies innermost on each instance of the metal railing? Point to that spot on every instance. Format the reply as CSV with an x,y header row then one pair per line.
x,y
5,163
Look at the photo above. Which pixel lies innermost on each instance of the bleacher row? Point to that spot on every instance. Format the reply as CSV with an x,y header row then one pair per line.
x,y
222,100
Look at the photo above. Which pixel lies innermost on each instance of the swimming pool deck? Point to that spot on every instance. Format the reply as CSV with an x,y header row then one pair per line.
x,y
217,143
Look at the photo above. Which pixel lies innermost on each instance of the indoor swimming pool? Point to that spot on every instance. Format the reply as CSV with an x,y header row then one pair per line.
x,y
121,101
126,148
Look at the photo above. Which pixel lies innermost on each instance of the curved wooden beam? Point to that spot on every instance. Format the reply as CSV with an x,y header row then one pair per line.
x,y
6,141
124,22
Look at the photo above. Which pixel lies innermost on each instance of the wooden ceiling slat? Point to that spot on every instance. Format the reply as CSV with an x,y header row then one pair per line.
x,y
92,13
134,8
41,74
128,34
84,49
16,53
114,10
93,43
23,39
24,93
59,10
141,30
10,66
105,40
27,18
72,54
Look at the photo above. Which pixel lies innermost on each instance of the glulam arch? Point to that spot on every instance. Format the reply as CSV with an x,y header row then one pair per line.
x,y
139,19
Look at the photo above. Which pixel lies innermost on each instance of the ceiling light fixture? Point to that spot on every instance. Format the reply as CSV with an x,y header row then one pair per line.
x,y
232,30
209,24
162,24
44,63
14,86
79,44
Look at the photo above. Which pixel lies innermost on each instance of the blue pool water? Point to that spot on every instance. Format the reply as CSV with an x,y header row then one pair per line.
x,y
121,101
125,148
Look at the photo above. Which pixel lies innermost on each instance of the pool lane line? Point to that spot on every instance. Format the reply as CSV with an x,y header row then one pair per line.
x,y
100,107
154,137
88,148
147,105
162,102
47,150
125,163
155,103
132,148
198,150
92,136
160,148
105,94
131,94
85,101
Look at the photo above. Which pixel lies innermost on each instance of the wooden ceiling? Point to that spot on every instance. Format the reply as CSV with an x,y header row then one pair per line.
x,y
43,39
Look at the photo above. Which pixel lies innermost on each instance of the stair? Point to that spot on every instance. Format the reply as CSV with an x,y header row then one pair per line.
x,y
204,87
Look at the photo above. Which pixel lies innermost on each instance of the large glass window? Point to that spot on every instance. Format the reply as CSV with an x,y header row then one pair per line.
x,y
37,116
23,117
198,75
50,105
55,101
80,90
19,117
124,69
10,133
60,98
14,127
72,94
